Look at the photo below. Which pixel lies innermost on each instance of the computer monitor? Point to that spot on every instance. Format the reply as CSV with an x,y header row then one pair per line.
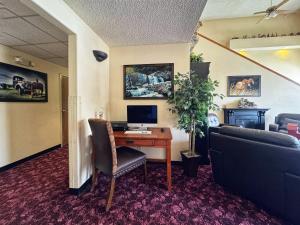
x,y
142,116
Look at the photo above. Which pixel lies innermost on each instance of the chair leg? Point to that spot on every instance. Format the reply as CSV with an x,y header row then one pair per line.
x,y
94,179
111,193
145,168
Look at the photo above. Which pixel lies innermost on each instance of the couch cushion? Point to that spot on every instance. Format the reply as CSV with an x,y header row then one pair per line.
x,y
283,131
261,136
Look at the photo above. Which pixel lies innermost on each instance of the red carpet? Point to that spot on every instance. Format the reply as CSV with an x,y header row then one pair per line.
x,y
36,192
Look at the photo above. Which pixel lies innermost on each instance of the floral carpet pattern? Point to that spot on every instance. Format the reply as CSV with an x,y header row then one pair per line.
x,y
36,192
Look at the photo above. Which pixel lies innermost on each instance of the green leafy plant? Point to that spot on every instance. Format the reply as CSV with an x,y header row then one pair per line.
x,y
191,101
196,57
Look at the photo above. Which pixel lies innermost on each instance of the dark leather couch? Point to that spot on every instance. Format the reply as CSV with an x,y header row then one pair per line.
x,y
202,144
259,165
281,121
215,125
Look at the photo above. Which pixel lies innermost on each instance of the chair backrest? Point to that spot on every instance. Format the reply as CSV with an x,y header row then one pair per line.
x,y
262,136
103,146
282,116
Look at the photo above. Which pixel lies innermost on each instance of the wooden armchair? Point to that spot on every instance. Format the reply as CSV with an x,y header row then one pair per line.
x,y
110,160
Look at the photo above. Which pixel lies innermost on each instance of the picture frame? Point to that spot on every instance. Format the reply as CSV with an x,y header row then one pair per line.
x,y
18,84
148,81
244,86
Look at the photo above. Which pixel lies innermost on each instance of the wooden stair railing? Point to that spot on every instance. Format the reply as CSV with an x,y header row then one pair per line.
x,y
245,57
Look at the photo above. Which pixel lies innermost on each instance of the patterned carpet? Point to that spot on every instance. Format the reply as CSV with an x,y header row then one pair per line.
x,y
36,192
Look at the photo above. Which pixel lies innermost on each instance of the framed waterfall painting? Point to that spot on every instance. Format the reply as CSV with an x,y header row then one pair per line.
x,y
148,81
18,84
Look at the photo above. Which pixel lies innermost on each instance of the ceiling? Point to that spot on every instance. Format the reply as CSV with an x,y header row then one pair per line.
x,y
24,30
139,22
119,22
221,9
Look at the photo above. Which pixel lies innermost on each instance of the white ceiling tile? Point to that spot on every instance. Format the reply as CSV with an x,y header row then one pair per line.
x,y
135,22
59,61
57,49
9,40
17,7
28,29
4,13
47,27
24,31
35,51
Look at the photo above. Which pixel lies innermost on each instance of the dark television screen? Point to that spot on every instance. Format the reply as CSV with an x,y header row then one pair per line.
x,y
142,114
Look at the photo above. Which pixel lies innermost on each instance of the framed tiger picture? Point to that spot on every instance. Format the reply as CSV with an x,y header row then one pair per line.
x,y
244,86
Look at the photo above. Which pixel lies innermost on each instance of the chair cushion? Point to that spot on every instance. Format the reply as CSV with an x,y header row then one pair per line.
x,y
128,159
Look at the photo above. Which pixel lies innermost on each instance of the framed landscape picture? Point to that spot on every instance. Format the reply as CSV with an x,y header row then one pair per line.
x,y
148,81
244,86
18,84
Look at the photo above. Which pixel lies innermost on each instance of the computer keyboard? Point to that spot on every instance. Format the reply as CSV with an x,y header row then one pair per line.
x,y
138,132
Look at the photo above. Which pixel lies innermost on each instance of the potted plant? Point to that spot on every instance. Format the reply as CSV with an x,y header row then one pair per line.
x,y
198,66
191,101
201,69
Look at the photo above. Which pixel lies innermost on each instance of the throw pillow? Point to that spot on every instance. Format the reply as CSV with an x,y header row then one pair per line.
x,y
286,121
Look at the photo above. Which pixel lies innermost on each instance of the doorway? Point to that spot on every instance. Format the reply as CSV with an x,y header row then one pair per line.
x,y
64,81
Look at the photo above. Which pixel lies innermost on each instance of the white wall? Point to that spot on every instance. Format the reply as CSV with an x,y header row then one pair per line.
x,y
88,82
288,64
28,128
147,54
284,61
277,93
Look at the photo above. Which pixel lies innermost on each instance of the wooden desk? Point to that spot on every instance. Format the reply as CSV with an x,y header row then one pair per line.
x,y
157,139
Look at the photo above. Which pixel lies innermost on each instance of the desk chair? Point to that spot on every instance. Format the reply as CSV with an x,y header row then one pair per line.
x,y
110,160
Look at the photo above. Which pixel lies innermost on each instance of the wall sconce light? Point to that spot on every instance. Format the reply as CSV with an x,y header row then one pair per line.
x,y
24,62
99,55
282,53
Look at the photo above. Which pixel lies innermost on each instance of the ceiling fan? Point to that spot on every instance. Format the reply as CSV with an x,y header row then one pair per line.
x,y
272,11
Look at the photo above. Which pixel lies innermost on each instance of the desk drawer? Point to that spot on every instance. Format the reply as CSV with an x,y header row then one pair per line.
x,y
132,142
160,143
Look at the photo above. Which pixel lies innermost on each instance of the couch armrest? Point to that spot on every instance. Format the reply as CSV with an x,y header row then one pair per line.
x,y
274,127
210,130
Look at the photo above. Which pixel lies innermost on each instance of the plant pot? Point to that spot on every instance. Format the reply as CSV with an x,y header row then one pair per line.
x,y
201,69
190,163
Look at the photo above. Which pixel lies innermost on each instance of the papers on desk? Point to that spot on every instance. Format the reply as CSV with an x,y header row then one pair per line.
x,y
138,132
